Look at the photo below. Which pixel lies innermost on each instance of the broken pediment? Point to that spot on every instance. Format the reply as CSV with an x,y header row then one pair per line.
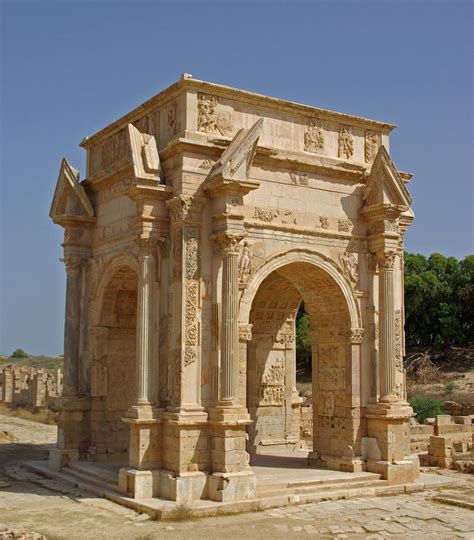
x,y
144,154
236,160
70,200
385,185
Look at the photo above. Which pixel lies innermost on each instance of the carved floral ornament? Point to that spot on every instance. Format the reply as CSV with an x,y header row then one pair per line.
x,y
386,259
227,243
355,335
73,264
185,208
245,332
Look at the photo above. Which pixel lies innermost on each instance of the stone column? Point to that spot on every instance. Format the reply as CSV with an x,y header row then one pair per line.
x,y
72,325
229,373
387,327
144,324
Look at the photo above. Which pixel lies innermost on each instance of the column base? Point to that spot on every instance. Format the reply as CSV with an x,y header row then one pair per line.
x,y
144,450
386,448
139,484
185,488
224,487
343,464
59,458
398,472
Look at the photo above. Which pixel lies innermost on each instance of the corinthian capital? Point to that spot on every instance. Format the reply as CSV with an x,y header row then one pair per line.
x,y
355,335
227,243
185,208
386,259
73,264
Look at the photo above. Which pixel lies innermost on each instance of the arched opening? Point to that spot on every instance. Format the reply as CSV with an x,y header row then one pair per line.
x,y
272,397
113,368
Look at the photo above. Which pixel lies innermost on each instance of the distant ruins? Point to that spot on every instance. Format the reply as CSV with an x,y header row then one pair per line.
x,y
29,387
206,216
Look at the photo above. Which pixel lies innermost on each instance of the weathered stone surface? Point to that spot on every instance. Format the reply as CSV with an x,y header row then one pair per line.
x,y
206,216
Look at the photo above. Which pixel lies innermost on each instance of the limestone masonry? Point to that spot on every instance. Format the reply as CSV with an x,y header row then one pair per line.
x,y
29,386
207,214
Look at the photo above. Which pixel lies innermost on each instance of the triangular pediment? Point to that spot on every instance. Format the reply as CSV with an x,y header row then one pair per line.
x,y
145,157
235,162
384,184
70,199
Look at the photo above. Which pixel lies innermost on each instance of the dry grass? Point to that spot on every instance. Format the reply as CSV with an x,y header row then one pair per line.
x,y
181,513
43,416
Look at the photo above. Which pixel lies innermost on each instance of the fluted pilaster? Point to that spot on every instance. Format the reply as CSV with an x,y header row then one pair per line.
x,y
229,373
144,324
387,327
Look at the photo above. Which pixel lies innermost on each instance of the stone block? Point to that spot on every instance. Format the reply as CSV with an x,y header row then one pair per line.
x,y
225,487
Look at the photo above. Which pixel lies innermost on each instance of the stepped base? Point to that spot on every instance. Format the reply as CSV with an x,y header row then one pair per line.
x,y
279,482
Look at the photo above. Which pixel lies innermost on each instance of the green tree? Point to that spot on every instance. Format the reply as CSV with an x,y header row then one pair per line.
x,y
20,353
303,338
439,299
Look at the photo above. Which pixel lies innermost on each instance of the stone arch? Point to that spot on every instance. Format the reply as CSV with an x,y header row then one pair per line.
x,y
269,304
113,368
311,257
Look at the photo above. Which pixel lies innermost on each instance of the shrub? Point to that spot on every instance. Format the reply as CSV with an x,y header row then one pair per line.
x,y
450,387
426,407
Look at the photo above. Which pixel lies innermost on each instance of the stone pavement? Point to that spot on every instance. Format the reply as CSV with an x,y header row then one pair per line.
x,y
59,511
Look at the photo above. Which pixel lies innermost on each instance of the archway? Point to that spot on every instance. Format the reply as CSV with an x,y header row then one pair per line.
x,y
114,363
273,299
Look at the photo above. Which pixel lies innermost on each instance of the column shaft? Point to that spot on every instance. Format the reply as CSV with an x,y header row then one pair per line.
x,y
387,331
144,327
72,325
230,327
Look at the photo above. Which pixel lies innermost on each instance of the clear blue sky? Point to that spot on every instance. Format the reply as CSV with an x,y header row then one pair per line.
x,y
69,68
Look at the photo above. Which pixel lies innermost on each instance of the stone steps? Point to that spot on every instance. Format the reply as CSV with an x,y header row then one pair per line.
x,y
87,477
319,486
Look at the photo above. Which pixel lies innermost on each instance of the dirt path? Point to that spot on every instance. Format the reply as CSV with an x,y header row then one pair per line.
x,y
60,511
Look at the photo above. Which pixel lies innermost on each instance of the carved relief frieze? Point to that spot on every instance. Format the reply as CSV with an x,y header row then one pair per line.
x,y
398,340
190,356
299,179
344,225
207,164
324,222
266,214
314,137
191,314
346,143
349,267
210,120
245,263
372,143
192,259
272,384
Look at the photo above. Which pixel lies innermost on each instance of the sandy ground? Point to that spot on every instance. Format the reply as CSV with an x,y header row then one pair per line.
x,y
60,511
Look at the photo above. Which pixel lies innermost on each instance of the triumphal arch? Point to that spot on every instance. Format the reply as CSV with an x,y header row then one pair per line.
x,y
206,216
